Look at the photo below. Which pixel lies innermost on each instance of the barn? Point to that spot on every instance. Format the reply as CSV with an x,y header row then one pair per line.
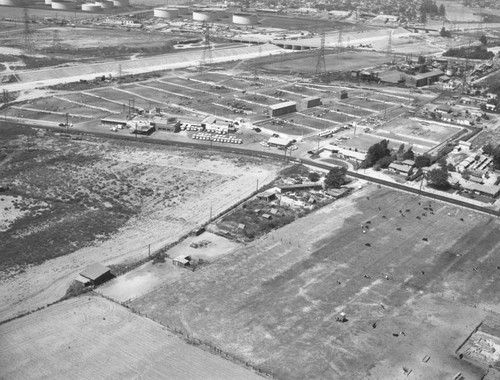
x,y
95,274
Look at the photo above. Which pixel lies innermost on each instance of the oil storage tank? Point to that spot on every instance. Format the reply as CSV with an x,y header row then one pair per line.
x,y
62,5
244,19
168,13
91,7
121,3
12,3
208,16
106,4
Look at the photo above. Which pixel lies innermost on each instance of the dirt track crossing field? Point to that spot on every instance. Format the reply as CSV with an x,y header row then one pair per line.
x,y
415,284
91,337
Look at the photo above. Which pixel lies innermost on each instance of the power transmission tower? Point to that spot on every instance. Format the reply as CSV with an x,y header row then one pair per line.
x,y
27,33
321,64
206,57
339,42
119,74
389,43
55,39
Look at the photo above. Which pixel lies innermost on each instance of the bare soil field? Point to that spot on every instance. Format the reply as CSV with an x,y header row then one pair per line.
x,y
416,284
334,62
91,337
367,103
94,102
433,133
42,115
91,200
330,115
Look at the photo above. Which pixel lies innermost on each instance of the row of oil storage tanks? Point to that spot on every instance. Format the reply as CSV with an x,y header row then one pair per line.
x,y
207,15
87,7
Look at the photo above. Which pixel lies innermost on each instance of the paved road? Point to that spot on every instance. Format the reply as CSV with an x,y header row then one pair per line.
x,y
278,155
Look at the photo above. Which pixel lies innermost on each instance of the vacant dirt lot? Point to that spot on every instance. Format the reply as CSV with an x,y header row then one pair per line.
x,y
90,337
415,284
90,200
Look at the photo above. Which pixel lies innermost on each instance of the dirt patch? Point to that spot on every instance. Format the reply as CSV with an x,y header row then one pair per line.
x,y
107,202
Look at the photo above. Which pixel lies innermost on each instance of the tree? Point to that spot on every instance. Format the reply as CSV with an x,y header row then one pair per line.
x,y
442,10
483,39
313,177
376,152
384,162
409,155
438,178
422,161
488,149
335,178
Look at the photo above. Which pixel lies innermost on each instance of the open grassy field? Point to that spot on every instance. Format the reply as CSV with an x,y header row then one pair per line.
x,y
73,202
91,337
417,283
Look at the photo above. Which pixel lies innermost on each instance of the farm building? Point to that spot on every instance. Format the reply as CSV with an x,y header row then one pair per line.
x,y
424,79
282,108
95,274
182,261
346,153
400,168
268,195
279,142
301,186
488,190
337,193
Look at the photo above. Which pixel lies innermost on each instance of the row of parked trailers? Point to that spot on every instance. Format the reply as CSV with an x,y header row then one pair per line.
x,y
215,138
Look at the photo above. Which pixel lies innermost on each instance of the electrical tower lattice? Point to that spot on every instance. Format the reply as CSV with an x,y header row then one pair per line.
x,y
321,65
206,58
27,33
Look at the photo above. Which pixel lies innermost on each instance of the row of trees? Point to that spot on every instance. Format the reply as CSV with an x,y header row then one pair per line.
x,y
475,52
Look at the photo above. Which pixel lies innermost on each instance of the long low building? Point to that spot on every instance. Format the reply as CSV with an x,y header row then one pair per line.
x,y
279,142
281,109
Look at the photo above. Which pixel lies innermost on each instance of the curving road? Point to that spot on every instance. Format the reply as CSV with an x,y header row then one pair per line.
x,y
250,152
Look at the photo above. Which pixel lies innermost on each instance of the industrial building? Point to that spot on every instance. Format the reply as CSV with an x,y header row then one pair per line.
x,y
312,101
115,121
424,79
279,142
167,124
281,109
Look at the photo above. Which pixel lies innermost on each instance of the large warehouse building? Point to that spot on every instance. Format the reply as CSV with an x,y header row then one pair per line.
x,y
282,108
